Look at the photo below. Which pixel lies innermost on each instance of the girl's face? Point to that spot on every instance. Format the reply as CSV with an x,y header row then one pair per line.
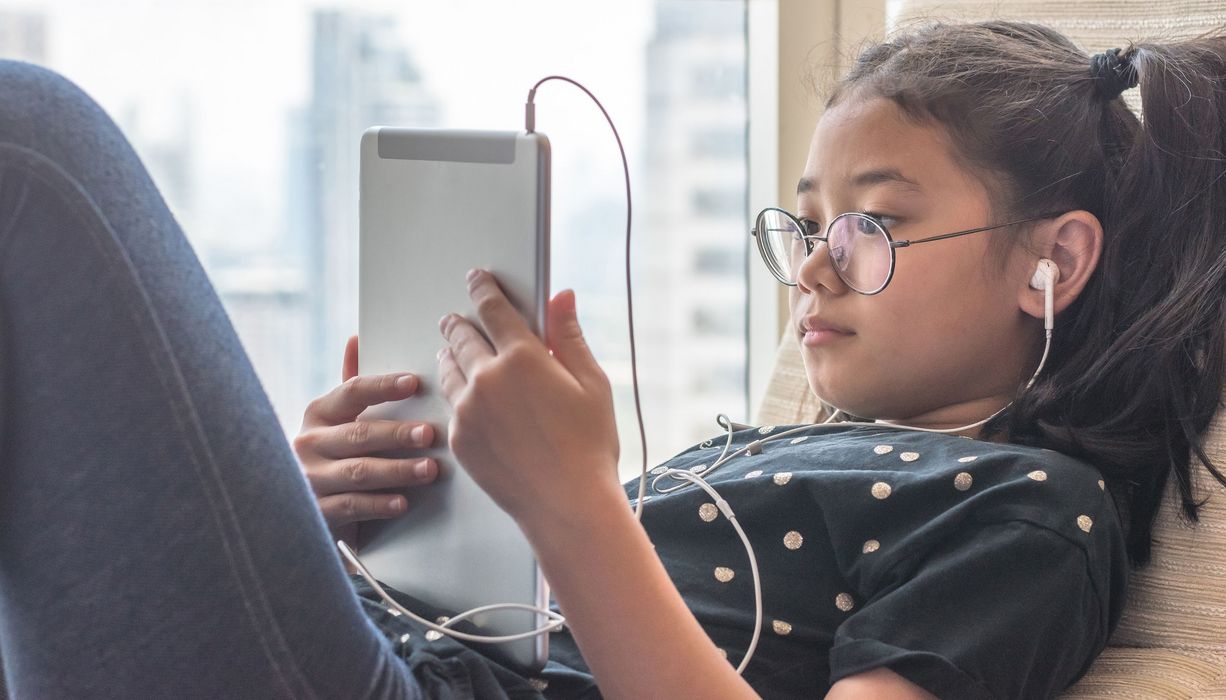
x,y
946,343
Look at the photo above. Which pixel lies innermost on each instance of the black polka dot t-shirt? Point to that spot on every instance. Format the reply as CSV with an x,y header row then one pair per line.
x,y
974,569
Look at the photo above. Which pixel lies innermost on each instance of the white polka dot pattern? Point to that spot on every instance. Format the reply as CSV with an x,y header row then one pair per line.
x,y
844,602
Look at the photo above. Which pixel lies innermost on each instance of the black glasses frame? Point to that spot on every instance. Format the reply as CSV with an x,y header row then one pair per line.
x,y
810,245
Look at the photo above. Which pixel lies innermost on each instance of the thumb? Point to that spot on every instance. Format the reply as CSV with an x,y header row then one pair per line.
x,y
566,337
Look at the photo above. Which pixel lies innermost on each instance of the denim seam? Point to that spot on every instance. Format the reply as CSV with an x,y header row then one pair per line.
x,y
5,239
157,344
6,236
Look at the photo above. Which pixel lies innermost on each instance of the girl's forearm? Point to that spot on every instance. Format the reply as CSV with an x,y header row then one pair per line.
x,y
631,624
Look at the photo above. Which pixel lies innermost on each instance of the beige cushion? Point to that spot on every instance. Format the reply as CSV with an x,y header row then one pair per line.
x,y
1171,640
1094,24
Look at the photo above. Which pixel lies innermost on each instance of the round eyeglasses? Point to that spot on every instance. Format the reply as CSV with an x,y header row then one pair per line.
x,y
859,246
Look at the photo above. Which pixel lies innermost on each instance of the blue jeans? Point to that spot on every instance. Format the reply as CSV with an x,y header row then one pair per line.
x,y
157,537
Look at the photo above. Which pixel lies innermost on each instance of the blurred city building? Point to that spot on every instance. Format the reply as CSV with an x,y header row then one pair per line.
x,y
693,278
362,76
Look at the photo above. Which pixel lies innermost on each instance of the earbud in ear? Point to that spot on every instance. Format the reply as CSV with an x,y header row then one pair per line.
x,y
1045,275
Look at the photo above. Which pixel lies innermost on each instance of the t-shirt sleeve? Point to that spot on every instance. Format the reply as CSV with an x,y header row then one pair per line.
x,y
1006,610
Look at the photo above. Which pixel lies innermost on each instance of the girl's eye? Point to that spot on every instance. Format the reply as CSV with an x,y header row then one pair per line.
x,y
884,219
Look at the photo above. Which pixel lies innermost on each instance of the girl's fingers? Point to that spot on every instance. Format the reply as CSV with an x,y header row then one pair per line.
x,y
349,368
467,345
451,378
499,318
356,394
363,437
372,473
345,508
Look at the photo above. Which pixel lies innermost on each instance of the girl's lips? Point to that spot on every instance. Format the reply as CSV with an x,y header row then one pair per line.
x,y
816,330
823,336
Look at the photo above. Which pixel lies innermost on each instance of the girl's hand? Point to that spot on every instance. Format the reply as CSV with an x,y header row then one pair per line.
x,y
336,450
535,431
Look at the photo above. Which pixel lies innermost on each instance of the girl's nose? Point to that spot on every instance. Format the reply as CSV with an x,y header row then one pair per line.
x,y
817,270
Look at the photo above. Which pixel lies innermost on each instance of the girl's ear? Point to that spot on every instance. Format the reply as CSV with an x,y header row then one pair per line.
x,y
1074,241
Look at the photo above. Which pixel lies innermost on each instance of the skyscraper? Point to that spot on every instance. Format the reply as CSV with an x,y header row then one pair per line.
x,y
693,275
362,76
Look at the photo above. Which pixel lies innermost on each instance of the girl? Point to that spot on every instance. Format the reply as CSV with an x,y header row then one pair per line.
x,y
177,547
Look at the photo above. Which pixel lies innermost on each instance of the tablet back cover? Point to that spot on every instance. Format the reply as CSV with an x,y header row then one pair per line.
x,y
433,204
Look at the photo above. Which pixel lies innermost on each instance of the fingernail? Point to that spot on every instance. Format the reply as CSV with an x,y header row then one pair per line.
x,y
439,355
422,469
406,382
419,434
472,274
394,505
442,322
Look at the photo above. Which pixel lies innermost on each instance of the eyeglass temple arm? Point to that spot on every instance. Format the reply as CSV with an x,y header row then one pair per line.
x,y
904,244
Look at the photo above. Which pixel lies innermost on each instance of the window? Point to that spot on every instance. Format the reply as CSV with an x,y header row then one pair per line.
x,y
717,82
712,379
718,142
717,321
249,119
722,203
719,262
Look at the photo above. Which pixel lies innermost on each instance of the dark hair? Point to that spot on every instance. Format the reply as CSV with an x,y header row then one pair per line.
x,y
1136,366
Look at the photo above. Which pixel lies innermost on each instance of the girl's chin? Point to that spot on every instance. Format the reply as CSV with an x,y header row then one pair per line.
x,y
832,397
828,379
848,403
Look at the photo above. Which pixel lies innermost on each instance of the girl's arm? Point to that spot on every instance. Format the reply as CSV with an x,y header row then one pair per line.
x,y
534,427
634,629
878,684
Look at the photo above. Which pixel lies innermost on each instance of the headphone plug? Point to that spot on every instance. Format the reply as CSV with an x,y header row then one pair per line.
x,y
530,112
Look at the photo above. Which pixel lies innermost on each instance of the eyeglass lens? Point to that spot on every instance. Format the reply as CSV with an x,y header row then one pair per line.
x,y
859,249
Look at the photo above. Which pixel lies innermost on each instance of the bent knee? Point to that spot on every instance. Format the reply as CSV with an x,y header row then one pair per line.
x,y
47,113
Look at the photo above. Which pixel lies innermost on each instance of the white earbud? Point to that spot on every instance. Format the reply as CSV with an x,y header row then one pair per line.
x,y
1045,276
1046,270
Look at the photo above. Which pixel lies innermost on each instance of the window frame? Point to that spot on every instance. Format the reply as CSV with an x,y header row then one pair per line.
x,y
763,324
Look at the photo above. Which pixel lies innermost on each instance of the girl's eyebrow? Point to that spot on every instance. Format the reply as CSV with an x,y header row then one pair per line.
x,y
868,178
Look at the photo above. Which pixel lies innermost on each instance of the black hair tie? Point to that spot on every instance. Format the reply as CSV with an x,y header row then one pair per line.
x,y
1112,73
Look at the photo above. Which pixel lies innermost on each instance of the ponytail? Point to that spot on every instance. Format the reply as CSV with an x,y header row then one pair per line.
x,y
1157,305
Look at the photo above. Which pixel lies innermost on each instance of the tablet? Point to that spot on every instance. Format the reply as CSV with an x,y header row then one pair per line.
x,y
434,203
